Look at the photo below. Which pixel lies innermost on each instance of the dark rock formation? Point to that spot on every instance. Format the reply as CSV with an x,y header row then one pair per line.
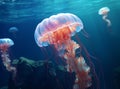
x,y
40,75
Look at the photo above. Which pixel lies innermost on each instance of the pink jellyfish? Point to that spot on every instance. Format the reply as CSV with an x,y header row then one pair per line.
x,y
104,12
5,43
58,30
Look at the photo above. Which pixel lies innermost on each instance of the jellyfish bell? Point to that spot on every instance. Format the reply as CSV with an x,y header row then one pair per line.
x,y
103,11
53,25
13,31
5,43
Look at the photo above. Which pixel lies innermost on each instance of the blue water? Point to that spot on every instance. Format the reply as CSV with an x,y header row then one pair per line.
x,y
103,42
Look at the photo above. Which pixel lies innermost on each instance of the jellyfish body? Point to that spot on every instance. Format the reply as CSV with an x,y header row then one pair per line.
x,y
104,12
5,43
58,30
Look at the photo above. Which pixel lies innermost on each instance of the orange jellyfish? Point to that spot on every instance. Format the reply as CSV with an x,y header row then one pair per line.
x,y
58,30
5,43
104,12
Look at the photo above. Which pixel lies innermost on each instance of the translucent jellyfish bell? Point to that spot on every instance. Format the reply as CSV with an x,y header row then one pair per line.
x,y
103,11
56,24
5,43
13,29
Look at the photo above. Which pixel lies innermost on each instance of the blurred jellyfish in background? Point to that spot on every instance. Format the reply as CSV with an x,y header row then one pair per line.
x,y
5,43
104,12
13,31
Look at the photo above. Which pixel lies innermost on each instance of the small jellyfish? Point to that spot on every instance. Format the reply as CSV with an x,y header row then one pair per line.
x,y
5,43
13,30
104,12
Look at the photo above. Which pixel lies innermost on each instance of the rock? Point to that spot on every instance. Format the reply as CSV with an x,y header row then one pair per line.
x,y
40,75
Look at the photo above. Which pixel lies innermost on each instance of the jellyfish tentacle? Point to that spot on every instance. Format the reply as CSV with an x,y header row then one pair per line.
x,y
7,62
85,33
107,20
77,65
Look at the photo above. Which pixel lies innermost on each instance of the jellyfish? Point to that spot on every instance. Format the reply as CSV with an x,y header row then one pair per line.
x,y
13,31
5,43
57,30
104,12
